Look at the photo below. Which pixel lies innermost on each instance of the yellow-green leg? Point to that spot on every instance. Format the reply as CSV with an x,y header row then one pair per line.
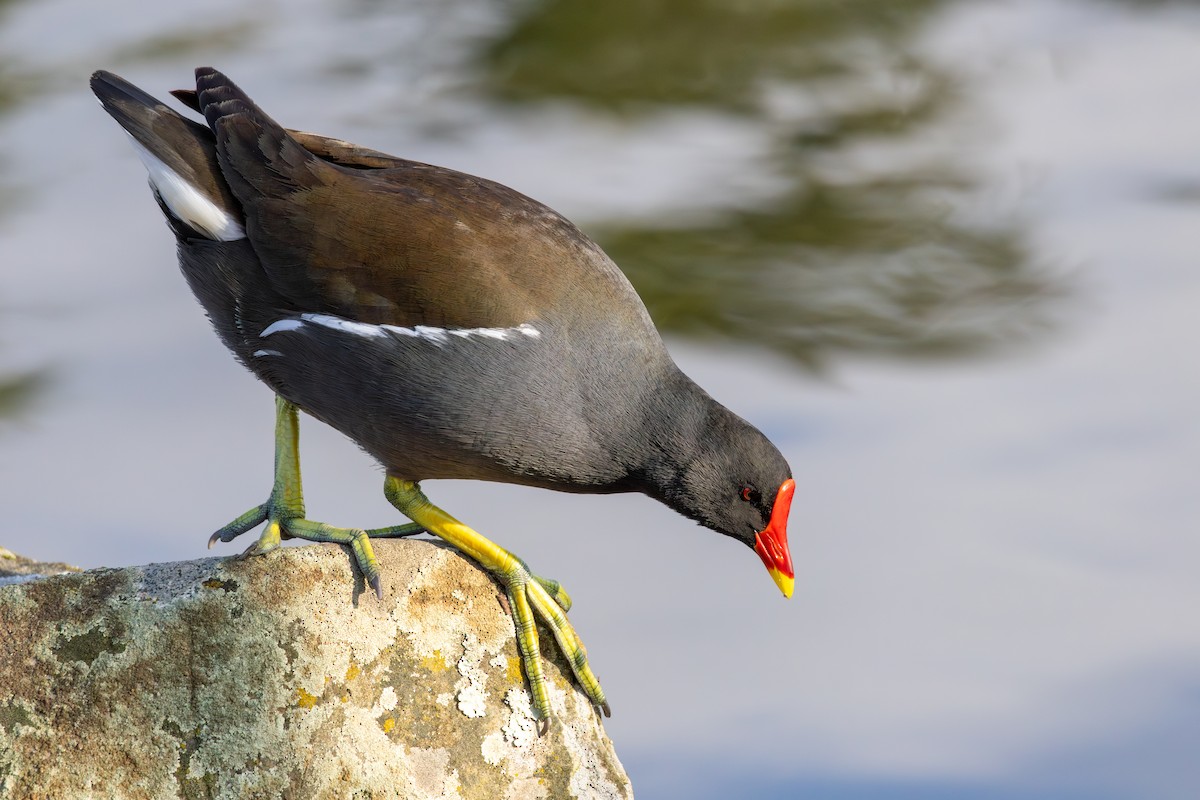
x,y
528,595
284,510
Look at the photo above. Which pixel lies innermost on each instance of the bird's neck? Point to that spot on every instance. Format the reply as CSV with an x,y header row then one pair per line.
x,y
683,426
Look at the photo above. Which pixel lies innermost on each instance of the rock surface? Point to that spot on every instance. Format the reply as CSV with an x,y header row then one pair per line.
x,y
15,568
279,677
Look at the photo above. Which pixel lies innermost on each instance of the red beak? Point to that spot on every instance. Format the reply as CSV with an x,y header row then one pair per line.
x,y
771,543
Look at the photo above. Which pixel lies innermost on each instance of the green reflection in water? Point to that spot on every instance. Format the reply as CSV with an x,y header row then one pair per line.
x,y
202,44
710,52
23,83
841,257
16,391
16,83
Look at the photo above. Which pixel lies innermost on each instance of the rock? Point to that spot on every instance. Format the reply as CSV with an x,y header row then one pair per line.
x,y
17,569
279,677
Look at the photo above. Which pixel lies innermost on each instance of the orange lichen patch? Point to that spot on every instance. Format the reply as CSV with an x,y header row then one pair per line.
x,y
388,724
435,663
353,672
513,672
304,699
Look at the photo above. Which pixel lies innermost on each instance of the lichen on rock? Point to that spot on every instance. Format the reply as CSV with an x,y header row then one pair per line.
x,y
279,676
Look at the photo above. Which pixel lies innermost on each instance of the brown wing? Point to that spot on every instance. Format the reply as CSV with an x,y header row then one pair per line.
x,y
353,232
338,151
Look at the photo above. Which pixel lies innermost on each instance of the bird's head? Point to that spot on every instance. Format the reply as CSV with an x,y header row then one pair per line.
x,y
739,484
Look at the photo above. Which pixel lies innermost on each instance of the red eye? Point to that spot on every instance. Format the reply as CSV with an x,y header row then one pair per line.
x,y
750,495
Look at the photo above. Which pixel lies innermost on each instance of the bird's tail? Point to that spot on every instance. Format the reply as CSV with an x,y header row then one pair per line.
x,y
180,156
258,157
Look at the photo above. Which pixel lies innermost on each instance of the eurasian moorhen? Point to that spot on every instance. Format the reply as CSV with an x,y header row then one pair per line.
x,y
453,328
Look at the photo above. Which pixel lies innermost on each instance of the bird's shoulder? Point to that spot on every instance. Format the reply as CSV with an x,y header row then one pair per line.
x,y
383,239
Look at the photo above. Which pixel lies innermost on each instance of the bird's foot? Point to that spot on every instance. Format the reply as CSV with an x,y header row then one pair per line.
x,y
286,521
553,588
528,596
284,510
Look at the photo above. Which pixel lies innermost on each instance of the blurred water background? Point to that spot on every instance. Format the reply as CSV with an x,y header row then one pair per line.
x,y
943,253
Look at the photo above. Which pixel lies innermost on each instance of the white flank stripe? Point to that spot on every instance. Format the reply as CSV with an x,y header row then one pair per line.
x,y
487,333
281,325
260,353
346,325
440,335
525,329
436,335
187,202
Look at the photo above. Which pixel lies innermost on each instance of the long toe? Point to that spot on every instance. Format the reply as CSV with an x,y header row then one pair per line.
x,y
355,538
529,597
251,519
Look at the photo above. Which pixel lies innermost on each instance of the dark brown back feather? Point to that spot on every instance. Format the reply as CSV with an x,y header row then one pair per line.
x,y
406,243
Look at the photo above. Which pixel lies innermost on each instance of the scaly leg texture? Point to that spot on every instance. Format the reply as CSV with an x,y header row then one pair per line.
x,y
284,510
528,595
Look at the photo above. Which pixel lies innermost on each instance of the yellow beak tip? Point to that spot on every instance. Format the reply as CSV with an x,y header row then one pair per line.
x,y
786,583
